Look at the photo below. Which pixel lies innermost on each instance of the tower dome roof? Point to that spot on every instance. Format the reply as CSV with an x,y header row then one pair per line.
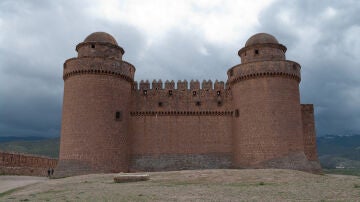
x,y
261,38
101,37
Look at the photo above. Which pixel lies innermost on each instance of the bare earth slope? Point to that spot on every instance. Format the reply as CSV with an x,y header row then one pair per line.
x,y
196,185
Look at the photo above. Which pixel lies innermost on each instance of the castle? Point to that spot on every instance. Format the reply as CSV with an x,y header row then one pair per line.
x,y
111,123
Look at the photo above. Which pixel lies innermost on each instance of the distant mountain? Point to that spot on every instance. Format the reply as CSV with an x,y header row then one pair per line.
x,y
339,151
12,138
34,145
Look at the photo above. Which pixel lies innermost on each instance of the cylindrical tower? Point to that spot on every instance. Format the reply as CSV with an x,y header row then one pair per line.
x,y
267,126
97,92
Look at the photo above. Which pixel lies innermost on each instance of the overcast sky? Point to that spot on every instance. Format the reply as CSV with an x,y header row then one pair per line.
x,y
185,39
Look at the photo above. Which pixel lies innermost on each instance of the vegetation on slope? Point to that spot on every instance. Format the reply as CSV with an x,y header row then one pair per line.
x,y
42,147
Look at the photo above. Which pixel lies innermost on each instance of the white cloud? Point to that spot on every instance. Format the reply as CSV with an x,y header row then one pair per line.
x,y
218,21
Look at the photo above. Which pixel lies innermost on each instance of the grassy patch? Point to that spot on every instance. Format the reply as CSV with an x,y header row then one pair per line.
x,y
242,184
349,171
51,191
356,185
7,192
176,183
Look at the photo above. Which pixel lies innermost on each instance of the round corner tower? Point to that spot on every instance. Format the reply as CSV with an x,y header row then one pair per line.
x,y
97,92
265,87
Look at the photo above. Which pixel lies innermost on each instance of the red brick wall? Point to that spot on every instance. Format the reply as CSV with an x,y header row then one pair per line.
x,y
262,52
23,164
269,125
181,134
95,89
309,132
179,126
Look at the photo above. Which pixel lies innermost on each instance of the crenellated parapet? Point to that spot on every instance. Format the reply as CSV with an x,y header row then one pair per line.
x,y
185,95
284,68
180,85
99,66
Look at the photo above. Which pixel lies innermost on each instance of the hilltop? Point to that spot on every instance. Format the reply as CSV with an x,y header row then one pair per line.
x,y
196,185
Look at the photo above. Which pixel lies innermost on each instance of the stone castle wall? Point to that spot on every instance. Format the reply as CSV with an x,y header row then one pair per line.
x,y
307,111
111,123
185,127
24,164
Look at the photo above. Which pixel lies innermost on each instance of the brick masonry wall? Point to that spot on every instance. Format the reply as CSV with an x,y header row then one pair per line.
x,y
181,134
187,128
269,125
262,52
100,49
22,164
308,121
91,101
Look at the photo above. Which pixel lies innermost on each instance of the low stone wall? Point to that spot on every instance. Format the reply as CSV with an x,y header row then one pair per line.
x,y
24,164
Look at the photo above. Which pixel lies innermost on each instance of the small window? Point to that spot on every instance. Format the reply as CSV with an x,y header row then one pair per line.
x,y
256,52
237,113
160,104
170,92
118,116
194,93
218,93
198,103
92,45
219,103
145,92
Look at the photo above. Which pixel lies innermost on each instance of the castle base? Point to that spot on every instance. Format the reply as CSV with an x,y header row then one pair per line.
x,y
294,161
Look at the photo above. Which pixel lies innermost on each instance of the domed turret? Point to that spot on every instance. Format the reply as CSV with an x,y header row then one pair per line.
x,y
100,44
261,38
101,37
265,88
262,47
95,118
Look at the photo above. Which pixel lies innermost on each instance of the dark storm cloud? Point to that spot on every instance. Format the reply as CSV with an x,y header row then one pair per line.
x,y
323,37
37,37
187,56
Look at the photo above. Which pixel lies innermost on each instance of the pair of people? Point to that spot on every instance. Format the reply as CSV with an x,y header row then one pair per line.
x,y
50,172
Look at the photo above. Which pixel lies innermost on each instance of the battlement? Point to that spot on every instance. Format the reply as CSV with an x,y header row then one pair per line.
x,y
180,85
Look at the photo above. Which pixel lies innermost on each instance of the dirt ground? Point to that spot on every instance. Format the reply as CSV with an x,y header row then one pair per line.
x,y
10,182
195,185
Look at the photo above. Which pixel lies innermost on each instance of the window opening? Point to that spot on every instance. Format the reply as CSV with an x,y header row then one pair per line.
x,y
118,116
237,113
